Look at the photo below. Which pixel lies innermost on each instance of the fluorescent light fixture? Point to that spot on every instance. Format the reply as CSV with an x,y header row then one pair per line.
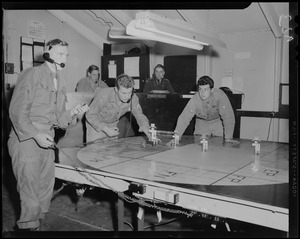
x,y
160,37
120,33
148,25
117,33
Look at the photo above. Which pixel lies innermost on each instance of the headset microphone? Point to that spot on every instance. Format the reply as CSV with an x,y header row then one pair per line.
x,y
46,56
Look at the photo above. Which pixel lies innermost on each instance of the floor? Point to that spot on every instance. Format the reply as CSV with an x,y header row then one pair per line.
x,y
93,214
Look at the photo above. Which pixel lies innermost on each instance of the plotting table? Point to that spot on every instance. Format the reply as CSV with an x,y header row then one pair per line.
x,y
220,182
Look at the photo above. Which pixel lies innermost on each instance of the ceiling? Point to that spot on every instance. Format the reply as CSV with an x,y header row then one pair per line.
x,y
95,24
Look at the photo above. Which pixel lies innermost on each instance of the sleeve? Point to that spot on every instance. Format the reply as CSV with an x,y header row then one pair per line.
x,y
185,117
170,87
102,84
64,117
137,111
80,87
147,86
20,105
93,116
227,115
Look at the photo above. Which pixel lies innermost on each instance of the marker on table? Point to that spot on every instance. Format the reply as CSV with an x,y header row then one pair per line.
x,y
204,142
256,144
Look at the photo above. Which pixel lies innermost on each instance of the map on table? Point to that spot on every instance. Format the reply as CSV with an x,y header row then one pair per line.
x,y
134,157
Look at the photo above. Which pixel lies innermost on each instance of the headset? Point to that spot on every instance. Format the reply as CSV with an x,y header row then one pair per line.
x,y
46,55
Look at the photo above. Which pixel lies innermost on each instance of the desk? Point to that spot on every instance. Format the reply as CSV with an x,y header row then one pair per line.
x,y
219,182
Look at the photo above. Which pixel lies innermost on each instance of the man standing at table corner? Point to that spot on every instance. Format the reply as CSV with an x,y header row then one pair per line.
x,y
36,108
213,110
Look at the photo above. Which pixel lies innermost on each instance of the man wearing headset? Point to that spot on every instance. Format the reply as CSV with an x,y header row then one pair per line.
x,y
158,81
213,110
109,105
92,82
36,108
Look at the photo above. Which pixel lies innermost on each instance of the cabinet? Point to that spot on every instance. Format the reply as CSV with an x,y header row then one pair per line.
x,y
123,63
181,71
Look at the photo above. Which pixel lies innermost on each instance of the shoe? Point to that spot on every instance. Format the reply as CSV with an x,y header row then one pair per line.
x,y
17,229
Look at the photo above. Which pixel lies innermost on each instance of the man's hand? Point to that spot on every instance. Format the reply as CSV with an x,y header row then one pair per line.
x,y
146,132
44,140
156,141
111,132
80,109
232,141
171,143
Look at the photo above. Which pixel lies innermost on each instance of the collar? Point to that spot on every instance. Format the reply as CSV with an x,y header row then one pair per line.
x,y
48,70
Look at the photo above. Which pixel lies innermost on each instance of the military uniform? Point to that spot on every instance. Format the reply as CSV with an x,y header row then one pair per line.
x,y
154,84
213,115
105,111
88,85
36,106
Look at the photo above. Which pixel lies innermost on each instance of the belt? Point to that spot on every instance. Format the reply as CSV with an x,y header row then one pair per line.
x,y
210,120
44,126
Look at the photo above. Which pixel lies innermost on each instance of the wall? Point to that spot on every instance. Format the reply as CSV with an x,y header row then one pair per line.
x,y
249,66
160,50
82,52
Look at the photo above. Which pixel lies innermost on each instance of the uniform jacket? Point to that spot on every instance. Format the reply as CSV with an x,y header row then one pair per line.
x,y
104,110
152,84
87,85
36,100
216,106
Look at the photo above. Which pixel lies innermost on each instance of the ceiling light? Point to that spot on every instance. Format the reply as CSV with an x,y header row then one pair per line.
x,y
148,25
162,37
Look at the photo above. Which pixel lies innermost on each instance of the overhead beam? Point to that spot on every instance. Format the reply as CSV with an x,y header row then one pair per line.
x,y
192,18
79,27
120,16
271,17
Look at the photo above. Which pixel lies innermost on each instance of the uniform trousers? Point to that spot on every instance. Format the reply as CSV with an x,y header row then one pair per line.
x,y
34,169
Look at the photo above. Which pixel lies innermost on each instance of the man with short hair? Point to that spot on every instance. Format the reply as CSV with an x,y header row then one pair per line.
x,y
109,105
213,110
92,82
36,108
158,81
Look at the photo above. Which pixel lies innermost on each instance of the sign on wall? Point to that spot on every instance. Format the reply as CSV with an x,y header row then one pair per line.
x,y
36,29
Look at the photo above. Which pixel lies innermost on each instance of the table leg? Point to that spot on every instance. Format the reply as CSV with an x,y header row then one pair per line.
x,y
141,219
120,214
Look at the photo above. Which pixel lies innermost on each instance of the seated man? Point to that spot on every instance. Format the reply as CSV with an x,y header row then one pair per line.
x,y
158,82
75,134
109,105
92,82
213,110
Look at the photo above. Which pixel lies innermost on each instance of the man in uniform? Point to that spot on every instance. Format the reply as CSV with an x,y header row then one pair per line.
x,y
158,81
36,108
109,105
213,110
